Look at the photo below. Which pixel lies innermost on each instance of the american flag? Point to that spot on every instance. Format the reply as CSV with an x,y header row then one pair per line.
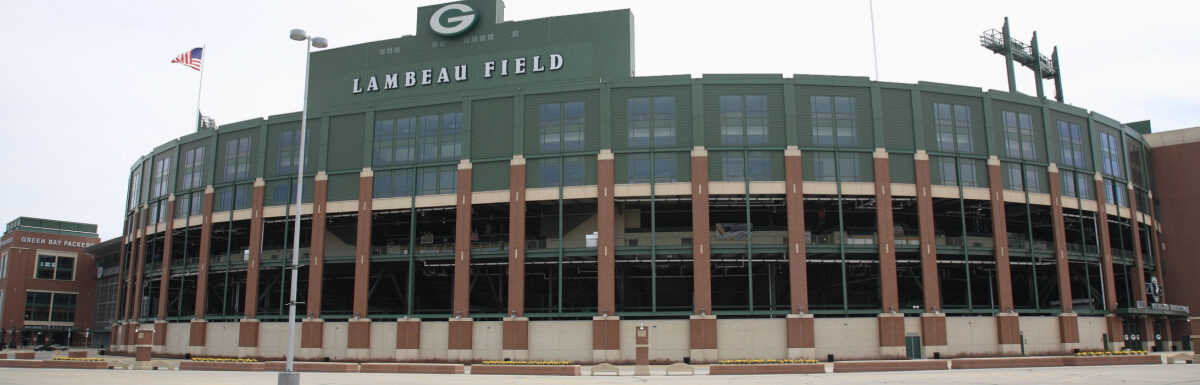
x,y
190,58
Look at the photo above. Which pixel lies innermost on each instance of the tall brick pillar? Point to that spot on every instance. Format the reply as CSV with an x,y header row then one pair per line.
x,y
890,320
1145,324
358,331
606,341
160,319
1115,326
800,330
248,326
933,321
460,338
1008,328
703,326
199,327
516,325
312,327
136,272
1068,321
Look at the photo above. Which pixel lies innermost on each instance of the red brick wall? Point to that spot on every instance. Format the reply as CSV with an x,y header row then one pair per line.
x,y
1177,190
22,258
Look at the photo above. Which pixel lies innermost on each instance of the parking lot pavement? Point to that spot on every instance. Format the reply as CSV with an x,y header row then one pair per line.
x,y
1131,374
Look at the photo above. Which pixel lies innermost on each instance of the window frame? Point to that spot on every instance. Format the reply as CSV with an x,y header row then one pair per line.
x,y
54,273
738,119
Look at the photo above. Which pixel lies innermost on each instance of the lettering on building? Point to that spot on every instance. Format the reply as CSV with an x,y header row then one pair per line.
x,y
458,73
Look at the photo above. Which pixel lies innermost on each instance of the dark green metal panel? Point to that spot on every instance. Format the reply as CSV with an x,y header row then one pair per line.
x,y
590,168
621,168
490,176
806,166
866,165
862,109
620,111
683,160
898,119
346,143
714,165
981,171
712,110
343,187
491,129
1039,133
902,168
591,117
978,131
777,169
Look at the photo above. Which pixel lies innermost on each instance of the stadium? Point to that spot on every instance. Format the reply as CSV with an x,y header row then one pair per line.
x,y
492,189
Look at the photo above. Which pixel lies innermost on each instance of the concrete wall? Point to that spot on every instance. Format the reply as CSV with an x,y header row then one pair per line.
x,y
846,338
383,341
669,339
177,338
971,336
1091,333
434,338
1041,335
221,339
562,340
272,339
751,338
487,340
333,338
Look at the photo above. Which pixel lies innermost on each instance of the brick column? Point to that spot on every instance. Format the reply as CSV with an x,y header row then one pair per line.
x,y
160,321
890,320
1155,247
1116,329
800,340
516,325
358,338
312,328
933,321
606,332
461,336
1145,324
1008,329
117,336
408,339
138,267
199,327
1068,321
248,325
703,324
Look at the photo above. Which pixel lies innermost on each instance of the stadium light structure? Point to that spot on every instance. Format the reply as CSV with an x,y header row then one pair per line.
x,y
289,375
1002,43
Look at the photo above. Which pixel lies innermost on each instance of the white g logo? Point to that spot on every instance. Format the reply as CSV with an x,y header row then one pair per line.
x,y
463,19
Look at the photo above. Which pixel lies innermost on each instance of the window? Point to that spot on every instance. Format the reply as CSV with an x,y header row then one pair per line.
x,y
953,126
734,166
1110,154
393,183
158,212
831,167
561,126
193,168
1114,193
1023,178
664,167
1071,138
1018,135
435,180
49,307
158,181
135,188
232,198
569,168
652,122
427,138
947,175
190,204
834,121
289,151
1076,184
3,268
743,120
237,159
55,267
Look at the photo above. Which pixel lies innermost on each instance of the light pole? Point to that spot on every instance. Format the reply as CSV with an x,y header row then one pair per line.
x,y
289,376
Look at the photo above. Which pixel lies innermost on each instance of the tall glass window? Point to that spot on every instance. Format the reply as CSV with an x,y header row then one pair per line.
x,y
565,170
1110,154
1016,174
947,176
289,151
237,159
55,267
831,167
834,121
743,120
158,182
135,188
663,165
734,166
561,126
193,168
651,122
1018,135
426,138
952,123
1071,138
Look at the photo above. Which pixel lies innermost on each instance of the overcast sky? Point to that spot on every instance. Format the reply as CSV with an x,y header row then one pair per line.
x,y
86,87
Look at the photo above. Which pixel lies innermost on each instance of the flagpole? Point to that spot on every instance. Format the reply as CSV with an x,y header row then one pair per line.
x,y
203,59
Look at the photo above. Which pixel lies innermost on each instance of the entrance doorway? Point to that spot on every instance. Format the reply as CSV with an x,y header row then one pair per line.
x,y
912,347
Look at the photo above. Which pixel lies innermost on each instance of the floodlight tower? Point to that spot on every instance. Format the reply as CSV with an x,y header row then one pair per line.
x,y
1001,42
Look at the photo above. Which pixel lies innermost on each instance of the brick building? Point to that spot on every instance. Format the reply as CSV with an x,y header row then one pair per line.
x,y
47,282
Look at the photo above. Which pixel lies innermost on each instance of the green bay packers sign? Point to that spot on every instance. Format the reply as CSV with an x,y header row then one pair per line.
x,y
453,19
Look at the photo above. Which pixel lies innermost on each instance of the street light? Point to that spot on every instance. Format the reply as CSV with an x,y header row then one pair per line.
x,y
289,376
